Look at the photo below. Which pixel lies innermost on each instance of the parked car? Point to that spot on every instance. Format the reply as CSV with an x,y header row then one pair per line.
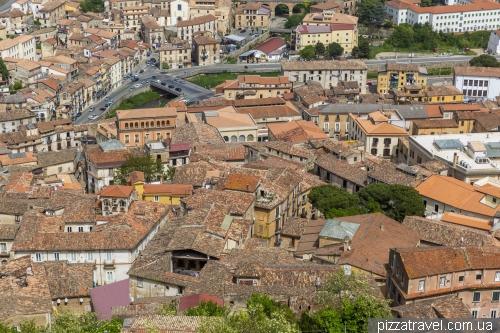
x,y
182,81
178,89
164,83
283,20
102,109
243,31
107,104
91,109
158,81
369,83
111,101
93,116
141,71
171,86
78,114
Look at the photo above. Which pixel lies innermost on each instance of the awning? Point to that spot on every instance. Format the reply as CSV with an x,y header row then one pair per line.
x,y
246,54
18,32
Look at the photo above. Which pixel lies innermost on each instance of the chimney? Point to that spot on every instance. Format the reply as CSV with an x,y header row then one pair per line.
x,y
346,244
248,187
161,180
455,159
382,226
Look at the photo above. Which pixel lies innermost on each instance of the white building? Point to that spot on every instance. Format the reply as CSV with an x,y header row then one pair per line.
x,y
102,162
494,42
469,157
75,233
478,82
459,17
179,11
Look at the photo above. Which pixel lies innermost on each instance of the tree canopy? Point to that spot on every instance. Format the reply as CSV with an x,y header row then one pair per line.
x,y
153,170
95,6
371,12
395,201
335,50
319,49
68,323
307,52
484,60
3,70
207,309
262,315
346,303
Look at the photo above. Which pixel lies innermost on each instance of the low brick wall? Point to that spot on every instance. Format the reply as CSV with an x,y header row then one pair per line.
x,y
444,64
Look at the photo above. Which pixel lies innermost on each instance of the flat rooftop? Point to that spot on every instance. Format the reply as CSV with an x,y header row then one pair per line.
x,y
475,151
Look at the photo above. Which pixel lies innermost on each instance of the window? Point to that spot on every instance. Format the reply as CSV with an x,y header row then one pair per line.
x,y
436,208
478,276
493,313
109,277
474,313
421,285
56,256
375,142
69,229
497,276
80,229
337,127
18,218
495,297
476,297
139,282
461,278
419,159
109,256
156,198
136,138
261,229
38,257
127,138
72,257
442,281
90,256
373,151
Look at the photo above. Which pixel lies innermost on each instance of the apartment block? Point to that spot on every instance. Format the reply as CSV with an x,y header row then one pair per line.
x,y
472,274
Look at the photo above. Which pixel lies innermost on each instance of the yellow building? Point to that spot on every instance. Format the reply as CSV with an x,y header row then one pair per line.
x,y
436,94
346,35
434,127
166,193
329,17
177,54
398,76
252,15
254,86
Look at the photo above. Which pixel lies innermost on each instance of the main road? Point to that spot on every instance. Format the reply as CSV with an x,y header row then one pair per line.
x,y
195,92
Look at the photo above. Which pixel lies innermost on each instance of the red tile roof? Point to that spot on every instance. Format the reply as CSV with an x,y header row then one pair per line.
x,y
116,191
271,45
174,189
187,302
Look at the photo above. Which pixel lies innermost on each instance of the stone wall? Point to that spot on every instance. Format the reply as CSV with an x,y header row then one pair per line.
x,y
444,64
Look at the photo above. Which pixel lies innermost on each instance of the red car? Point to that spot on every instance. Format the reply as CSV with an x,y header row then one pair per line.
x,y
369,83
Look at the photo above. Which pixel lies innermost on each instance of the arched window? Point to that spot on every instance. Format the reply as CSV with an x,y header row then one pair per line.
x,y
126,125
168,122
163,123
226,139
250,137
234,138
241,138
147,124
152,124
158,124
136,125
122,203
142,124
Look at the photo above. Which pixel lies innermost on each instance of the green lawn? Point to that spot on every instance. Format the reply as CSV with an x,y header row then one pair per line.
x,y
133,102
439,71
211,80
372,75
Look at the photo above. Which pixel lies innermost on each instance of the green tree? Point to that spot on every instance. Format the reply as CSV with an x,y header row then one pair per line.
x,y
364,49
333,201
294,20
364,9
355,52
281,9
402,36
18,85
165,65
395,201
388,24
207,309
319,49
153,170
347,302
335,50
270,306
170,309
307,52
4,71
253,320
378,14
170,173
484,60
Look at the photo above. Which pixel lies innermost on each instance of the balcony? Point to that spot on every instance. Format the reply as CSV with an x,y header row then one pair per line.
x,y
4,253
109,263
87,261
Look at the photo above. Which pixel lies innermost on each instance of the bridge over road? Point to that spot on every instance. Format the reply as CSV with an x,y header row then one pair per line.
x,y
345,6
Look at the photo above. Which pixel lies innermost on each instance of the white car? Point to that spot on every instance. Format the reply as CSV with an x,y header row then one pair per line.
x,y
93,116
91,109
